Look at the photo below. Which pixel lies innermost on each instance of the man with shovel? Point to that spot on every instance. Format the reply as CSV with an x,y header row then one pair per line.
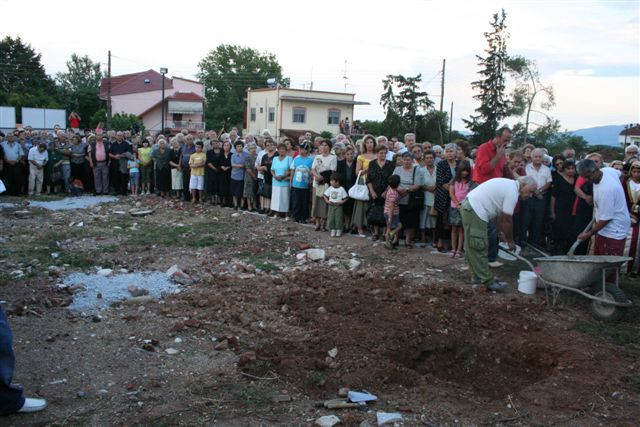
x,y
491,200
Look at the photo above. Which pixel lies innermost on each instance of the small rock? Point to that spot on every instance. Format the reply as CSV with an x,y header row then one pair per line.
x,y
315,254
284,308
322,310
246,358
102,392
354,264
171,351
235,215
96,318
99,295
136,291
386,418
333,352
222,345
178,340
617,395
55,255
82,394
276,398
138,300
343,392
104,272
328,421
301,245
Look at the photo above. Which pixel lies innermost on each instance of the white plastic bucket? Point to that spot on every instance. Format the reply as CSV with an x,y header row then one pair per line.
x,y
527,282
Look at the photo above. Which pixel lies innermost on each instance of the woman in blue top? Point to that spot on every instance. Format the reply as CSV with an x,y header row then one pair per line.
x,y
238,160
281,172
300,180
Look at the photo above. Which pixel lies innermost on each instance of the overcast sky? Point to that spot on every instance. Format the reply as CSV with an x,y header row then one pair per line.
x,y
588,50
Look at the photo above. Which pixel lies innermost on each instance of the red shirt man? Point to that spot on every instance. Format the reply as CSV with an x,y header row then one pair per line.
x,y
490,158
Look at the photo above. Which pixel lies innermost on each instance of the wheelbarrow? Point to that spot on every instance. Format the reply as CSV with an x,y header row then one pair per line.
x,y
585,275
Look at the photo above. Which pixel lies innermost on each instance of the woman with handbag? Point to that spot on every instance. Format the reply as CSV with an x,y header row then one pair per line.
x,y
377,181
445,171
412,196
323,165
428,213
359,215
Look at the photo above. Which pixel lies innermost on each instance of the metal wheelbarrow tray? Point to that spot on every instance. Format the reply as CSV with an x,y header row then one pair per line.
x,y
578,271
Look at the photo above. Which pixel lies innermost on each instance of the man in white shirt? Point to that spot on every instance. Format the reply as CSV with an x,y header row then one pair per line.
x,y
495,198
38,158
612,220
533,209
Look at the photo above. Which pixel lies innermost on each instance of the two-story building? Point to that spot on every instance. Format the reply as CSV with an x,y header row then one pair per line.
x,y
141,94
291,112
629,135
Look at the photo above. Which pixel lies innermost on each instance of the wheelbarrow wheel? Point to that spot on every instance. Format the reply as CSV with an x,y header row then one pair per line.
x,y
604,311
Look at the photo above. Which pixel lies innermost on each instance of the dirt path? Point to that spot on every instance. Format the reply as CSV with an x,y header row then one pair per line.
x,y
253,335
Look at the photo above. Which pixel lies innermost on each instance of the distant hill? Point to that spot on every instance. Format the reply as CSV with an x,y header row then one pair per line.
x,y
601,135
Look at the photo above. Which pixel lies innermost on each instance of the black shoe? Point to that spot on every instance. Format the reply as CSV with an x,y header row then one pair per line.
x,y
496,287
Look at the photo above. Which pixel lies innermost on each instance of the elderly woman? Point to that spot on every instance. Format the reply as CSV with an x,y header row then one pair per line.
x,y
175,158
162,157
281,173
563,197
632,196
359,215
527,151
445,171
347,170
427,218
617,165
411,181
224,175
324,164
265,168
377,180
212,172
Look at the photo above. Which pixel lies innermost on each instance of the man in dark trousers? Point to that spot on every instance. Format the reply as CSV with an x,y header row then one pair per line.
x,y
11,398
119,153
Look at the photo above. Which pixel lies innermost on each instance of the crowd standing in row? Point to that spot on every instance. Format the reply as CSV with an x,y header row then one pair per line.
x,y
378,188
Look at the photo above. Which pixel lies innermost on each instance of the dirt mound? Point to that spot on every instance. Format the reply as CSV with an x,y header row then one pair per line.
x,y
389,333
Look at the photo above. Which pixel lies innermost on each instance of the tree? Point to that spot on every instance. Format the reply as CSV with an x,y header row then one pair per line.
x,y
227,72
122,121
433,127
491,86
23,80
529,92
80,86
404,103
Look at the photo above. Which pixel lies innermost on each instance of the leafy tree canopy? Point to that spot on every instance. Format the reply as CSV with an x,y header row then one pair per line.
x,y
227,72
79,87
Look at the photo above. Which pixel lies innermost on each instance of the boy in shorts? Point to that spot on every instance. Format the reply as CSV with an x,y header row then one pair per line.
x,y
392,212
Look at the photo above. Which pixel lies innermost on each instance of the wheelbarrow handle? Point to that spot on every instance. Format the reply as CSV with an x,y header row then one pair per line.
x,y
521,258
578,241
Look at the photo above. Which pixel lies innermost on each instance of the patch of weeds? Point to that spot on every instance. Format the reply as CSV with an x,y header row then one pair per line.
x,y
187,236
6,278
634,380
316,379
251,394
619,333
77,259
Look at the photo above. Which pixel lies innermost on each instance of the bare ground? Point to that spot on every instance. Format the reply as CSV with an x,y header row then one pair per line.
x,y
253,333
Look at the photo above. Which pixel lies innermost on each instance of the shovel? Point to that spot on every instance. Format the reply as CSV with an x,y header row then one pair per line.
x,y
577,242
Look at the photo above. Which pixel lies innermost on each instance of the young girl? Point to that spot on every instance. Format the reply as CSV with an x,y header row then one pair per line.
x,y
133,165
146,166
196,180
392,212
459,187
335,196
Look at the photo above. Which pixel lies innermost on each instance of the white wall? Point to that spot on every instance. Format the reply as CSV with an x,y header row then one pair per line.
x,y
264,100
316,118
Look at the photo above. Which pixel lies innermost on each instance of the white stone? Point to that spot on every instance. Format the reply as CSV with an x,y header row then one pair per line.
x,y
315,254
171,351
328,421
333,352
104,272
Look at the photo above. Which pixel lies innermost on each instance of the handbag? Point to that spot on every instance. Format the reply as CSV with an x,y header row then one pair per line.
x,y
375,215
416,198
359,191
433,211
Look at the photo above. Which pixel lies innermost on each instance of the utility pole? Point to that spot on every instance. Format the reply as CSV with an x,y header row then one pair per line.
x,y
442,85
344,76
451,121
109,92
163,71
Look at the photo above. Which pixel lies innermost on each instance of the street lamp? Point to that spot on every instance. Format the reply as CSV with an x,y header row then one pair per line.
x,y
163,71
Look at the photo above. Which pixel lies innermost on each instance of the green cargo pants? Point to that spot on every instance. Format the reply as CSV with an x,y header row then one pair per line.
x,y
476,243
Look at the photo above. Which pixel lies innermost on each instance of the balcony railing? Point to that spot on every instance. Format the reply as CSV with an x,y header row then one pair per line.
x,y
185,125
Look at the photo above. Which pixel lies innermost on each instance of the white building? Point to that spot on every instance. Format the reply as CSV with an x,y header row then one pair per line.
x,y
291,112
629,135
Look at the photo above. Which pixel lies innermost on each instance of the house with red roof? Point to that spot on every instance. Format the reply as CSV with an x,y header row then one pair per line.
x,y
141,94
630,135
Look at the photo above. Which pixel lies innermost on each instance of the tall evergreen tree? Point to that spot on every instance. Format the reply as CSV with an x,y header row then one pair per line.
x,y
491,86
404,103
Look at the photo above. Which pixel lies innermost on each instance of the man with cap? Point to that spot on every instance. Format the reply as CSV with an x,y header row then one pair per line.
x,y
492,200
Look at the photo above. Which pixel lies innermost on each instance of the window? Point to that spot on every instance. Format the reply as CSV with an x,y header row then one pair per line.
x,y
299,114
177,117
253,115
272,114
261,110
334,117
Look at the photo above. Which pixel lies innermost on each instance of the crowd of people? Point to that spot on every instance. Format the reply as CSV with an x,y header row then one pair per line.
x,y
384,189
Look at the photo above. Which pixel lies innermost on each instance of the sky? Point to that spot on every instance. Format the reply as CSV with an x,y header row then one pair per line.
x,y
589,51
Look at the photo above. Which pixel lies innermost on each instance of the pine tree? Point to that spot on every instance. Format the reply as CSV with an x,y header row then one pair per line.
x,y
491,86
